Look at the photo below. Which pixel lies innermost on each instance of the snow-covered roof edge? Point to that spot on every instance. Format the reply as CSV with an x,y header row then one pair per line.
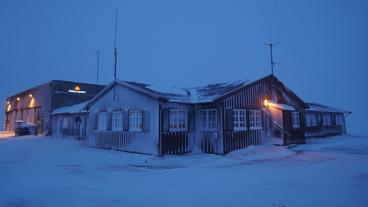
x,y
76,108
324,108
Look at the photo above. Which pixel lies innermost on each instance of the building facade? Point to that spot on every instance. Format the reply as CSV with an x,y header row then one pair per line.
x,y
36,104
217,118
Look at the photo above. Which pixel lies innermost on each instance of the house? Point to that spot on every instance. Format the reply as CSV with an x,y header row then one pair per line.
x,y
35,105
216,118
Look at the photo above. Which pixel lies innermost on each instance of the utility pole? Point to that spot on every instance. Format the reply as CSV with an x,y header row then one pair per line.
x,y
271,45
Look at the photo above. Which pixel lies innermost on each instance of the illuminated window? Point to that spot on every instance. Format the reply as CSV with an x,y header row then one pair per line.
x,y
295,119
117,121
239,120
102,121
255,119
178,120
208,119
135,120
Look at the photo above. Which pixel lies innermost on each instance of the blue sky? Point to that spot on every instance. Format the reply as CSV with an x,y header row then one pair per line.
x,y
321,45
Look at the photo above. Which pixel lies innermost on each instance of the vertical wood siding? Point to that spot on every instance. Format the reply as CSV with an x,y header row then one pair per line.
x,y
248,98
175,142
126,99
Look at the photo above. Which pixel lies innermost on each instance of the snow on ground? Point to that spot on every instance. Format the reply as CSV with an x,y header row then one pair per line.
x,y
44,171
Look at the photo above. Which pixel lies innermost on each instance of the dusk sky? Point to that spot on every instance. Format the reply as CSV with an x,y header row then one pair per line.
x,y
321,46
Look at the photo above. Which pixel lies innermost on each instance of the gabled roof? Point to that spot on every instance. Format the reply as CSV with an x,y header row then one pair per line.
x,y
191,95
324,108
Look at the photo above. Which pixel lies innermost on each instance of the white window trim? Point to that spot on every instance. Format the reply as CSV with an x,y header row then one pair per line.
x,y
207,126
236,119
100,126
117,125
295,119
135,128
257,123
176,120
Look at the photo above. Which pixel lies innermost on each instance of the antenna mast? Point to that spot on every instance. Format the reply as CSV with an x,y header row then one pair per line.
x,y
271,45
97,51
115,47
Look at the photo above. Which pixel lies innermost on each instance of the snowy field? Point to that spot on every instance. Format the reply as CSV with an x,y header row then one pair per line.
x,y
44,171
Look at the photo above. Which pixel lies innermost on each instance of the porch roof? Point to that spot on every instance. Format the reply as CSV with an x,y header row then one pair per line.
x,y
76,108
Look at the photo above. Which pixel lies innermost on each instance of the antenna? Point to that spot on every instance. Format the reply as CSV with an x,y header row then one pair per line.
x,y
115,47
97,51
271,45
115,51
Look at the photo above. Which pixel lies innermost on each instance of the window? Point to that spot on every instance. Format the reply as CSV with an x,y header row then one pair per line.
x,y
339,119
208,119
117,121
65,123
178,120
311,120
326,120
255,119
102,121
135,120
295,119
239,120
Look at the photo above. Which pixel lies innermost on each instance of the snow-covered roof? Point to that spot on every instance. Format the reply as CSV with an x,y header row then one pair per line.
x,y
324,108
281,106
203,94
77,108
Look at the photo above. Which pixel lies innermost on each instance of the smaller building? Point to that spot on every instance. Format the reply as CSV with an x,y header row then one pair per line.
x,y
35,105
70,121
322,120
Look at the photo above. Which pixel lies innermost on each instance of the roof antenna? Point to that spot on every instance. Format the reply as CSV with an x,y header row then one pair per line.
x,y
115,47
115,51
97,51
271,44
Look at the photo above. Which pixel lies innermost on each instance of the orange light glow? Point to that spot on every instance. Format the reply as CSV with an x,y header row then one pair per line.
x,y
18,99
8,108
32,103
30,95
265,102
77,88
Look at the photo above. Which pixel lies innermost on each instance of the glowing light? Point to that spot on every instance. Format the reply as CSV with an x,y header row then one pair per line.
x,y
7,102
265,102
30,95
77,88
18,99
32,102
8,108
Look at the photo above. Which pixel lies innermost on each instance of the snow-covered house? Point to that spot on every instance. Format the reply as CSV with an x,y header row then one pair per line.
x,y
217,118
70,121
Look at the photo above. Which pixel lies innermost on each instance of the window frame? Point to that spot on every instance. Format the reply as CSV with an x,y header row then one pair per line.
x,y
206,123
117,120
253,114
238,124
295,119
175,119
102,126
135,122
